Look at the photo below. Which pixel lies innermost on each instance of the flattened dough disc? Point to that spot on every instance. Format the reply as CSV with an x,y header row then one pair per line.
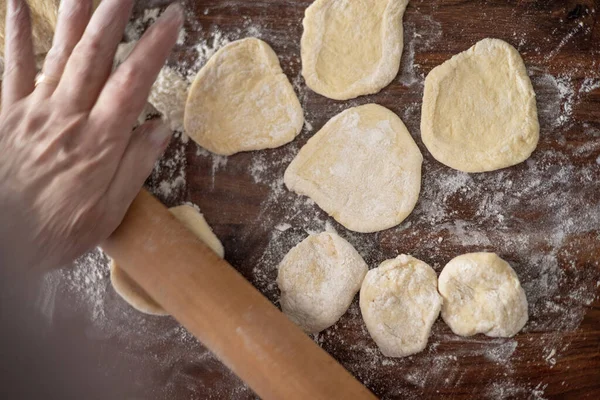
x,y
352,48
318,280
363,168
241,101
479,109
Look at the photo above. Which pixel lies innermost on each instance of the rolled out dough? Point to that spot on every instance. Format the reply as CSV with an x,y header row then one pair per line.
x,y
241,101
318,280
362,167
352,48
132,293
399,303
482,294
479,109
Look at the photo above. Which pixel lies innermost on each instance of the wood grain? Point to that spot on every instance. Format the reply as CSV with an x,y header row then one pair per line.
x,y
542,217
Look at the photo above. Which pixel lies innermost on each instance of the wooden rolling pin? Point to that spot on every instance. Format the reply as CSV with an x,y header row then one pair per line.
x,y
223,310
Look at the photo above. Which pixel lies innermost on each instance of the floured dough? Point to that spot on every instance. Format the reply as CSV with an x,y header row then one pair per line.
x,y
479,109
132,293
352,47
44,17
362,167
318,280
482,294
399,303
241,100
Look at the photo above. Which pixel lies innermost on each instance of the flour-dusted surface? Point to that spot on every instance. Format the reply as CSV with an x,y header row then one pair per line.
x,y
542,216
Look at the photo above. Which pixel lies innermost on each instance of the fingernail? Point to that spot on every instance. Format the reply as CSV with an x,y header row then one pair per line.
x,y
161,135
174,12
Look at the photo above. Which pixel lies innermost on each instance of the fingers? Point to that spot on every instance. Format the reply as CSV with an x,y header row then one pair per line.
x,y
73,17
146,146
91,61
19,62
126,92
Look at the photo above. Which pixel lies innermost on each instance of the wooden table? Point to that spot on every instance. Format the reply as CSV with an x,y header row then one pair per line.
x,y
543,216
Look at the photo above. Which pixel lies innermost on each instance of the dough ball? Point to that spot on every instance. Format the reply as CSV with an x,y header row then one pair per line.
x,y
318,280
399,303
241,100
362,167
479,109
132,293
352,47
482,294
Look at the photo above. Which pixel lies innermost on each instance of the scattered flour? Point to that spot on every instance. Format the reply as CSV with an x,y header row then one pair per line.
x,y
456,213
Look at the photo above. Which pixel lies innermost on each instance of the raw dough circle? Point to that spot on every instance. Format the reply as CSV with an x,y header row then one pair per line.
x,y
241,100
482,294
137,297
352,48
318,280
362,167
479,109
399,303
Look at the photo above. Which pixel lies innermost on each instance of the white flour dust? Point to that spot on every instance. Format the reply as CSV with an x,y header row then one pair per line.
x,y
456,213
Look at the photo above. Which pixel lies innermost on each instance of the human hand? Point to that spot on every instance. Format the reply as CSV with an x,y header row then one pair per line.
x,y
71,165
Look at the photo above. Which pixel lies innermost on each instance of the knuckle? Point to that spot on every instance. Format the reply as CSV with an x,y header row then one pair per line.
x,y
57,55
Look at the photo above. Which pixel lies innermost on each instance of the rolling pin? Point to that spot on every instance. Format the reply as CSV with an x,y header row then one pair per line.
x,y
223,310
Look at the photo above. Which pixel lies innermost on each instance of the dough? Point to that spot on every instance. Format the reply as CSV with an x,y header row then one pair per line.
x,y
168,96
241,100
399,303
44,16
132,293
318,280
479,109
352,47
362,167
482,294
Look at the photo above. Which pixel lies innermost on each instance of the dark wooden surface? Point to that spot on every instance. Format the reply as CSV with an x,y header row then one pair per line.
x,y
543,216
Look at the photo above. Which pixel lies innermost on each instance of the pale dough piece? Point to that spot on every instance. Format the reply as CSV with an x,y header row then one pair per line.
x,y
318,280
241,101
362,167
352,48
132,293
169,95
399,303
479,109
44,16
482,294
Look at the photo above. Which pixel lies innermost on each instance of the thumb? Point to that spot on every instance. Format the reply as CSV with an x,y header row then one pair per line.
x,y
147,144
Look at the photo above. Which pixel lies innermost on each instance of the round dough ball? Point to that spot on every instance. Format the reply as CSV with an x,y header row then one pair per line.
x,y
399,303
482,294
318,280
352,48
241,100
362,167
137,297
479,109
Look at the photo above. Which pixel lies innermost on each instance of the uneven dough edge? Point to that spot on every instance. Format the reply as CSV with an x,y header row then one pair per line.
x,y
272,61
306,188
431,93
389,64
